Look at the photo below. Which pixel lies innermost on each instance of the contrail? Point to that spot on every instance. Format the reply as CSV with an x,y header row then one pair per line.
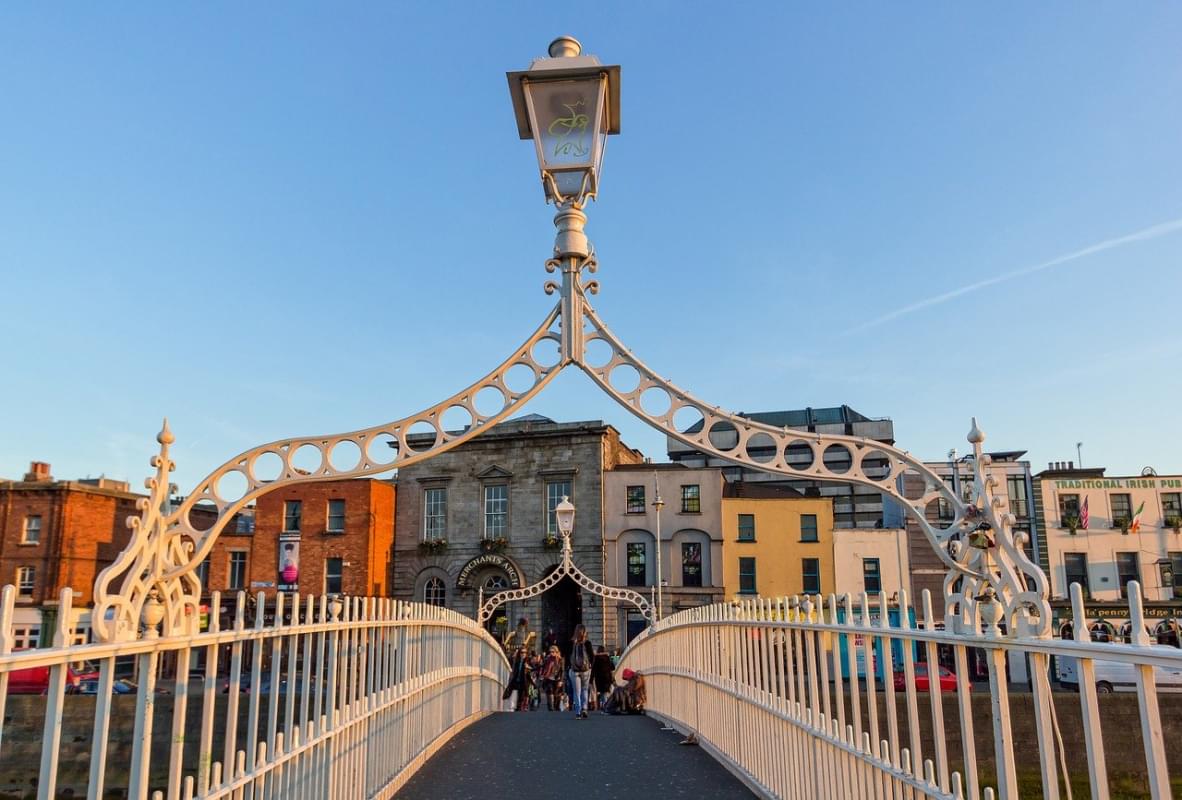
x,y
1153,232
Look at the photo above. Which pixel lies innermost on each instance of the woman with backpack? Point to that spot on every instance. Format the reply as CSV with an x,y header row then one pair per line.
x,y
581,657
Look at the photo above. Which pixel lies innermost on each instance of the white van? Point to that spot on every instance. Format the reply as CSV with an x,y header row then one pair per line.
x,y
1117,676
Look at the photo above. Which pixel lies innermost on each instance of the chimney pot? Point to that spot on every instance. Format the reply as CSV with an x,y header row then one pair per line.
x,y
1070,465
38,472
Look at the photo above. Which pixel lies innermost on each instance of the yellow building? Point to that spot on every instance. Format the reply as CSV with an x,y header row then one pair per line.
x,y
776,541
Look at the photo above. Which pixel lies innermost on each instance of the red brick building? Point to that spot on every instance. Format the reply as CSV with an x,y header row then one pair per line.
x,y
324,536
57,534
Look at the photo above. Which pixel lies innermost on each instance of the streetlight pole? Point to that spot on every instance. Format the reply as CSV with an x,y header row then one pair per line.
x,y
659,504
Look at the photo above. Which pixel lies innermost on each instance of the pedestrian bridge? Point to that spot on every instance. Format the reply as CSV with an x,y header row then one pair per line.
x,y
374,698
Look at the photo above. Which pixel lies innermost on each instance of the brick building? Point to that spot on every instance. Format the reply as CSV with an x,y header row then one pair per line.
x,y
475,517
312,538
58,534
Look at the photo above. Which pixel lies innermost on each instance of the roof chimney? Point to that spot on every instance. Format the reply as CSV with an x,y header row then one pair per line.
x,y
1070,465
38,472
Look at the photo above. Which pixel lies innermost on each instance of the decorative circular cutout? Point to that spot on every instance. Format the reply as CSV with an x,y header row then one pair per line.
x,y
203,515
267,467
382,449
655,401
456,420
597,353
625,379
546,353
723,436
232,486
489,401
837,459
421,436
345,455
307,459
688,419
519,378
799,455
877,465
761,447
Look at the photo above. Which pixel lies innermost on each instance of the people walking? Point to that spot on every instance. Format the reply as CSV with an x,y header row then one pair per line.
x,y
581,657
519,680
553,674
602,670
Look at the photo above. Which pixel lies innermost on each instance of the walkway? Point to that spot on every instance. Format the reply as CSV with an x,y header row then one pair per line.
x,y
543,755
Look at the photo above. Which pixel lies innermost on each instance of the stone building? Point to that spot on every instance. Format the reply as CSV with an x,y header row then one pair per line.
x,y
691,539
476,517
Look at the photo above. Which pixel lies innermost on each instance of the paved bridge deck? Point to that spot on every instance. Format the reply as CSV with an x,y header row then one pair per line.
x,y
541,755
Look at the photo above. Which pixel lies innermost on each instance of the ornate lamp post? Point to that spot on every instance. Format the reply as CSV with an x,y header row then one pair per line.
x,y
564,514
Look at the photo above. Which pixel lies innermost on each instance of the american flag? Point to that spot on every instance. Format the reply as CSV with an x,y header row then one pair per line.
x,y
1083,514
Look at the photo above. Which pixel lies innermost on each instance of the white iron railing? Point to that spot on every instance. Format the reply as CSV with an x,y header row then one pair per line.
x,y
346,699
770,687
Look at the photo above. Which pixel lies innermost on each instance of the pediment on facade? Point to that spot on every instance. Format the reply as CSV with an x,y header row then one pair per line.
x,y
495,471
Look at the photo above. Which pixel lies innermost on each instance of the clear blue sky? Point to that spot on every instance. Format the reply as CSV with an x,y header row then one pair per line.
x,y
275,219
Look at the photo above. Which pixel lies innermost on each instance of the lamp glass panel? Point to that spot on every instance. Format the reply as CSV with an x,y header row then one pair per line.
x,y
567,118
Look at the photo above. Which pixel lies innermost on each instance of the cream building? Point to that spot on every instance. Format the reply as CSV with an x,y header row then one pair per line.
x,y
871,560
690,539
1103,532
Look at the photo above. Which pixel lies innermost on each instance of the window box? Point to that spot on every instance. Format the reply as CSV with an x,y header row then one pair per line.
x,y
495,545
552,542
432,545
1071,523
1123,523
1175,523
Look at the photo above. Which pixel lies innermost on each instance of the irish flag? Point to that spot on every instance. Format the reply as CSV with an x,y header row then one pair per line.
x,y
1135,525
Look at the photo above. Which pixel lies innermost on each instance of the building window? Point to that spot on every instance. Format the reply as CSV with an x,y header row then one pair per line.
x,y
32,532
203,574
1068,507
1122,508
637,563
244,523
871,576
1171,506
555,491
1176,566
237,570
810,573
496,511
26,638
944,509
1127,569
691,499
334,571
808,527
636,500
26,579
435,592
746,527
691,563
435,514
746,575
1016,490
1075,570
292,510
336,516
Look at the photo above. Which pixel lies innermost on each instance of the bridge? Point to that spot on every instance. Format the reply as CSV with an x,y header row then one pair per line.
x,y
792,697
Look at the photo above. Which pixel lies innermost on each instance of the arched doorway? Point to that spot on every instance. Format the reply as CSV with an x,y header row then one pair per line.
x,y
562,610
494,582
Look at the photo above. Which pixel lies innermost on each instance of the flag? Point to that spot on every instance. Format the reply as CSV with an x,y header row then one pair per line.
x,y
1135,525
1083,514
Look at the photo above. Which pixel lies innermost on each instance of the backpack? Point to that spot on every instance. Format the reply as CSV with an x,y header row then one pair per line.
x,y
578,657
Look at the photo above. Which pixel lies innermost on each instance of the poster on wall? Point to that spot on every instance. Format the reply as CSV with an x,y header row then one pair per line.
x,y
289,565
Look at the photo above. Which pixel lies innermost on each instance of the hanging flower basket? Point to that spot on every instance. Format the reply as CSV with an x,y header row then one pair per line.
x,y
1124,523
1071,524
494,545
552,543
1175,523
431,546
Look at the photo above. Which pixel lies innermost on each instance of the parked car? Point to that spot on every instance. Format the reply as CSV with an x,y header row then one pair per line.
x,y
922,680
35,680
91,686
1117,676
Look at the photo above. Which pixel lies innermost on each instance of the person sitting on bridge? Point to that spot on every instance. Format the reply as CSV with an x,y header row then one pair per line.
x,y
629,698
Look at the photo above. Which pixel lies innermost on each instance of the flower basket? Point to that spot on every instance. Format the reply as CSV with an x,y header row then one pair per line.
x,y
431,546
1123,523
552,543
494,545
1071,524
1175,523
